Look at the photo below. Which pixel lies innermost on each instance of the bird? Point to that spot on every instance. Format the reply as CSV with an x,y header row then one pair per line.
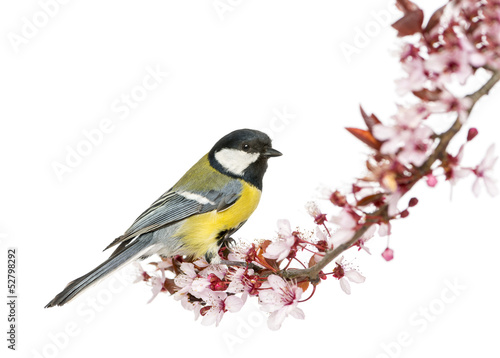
x,y
194,218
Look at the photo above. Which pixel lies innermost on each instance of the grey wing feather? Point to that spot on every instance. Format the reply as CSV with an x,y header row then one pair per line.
x,y
172,207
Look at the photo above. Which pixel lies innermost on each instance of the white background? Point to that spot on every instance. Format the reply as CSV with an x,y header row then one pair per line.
x,y
225,73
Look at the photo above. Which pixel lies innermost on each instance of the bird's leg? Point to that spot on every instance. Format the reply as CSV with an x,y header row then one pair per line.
x,y
249,265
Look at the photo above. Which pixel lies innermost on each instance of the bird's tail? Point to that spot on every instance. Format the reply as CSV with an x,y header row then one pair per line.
x,y
123,254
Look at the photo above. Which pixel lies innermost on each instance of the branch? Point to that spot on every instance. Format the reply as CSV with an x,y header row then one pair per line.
x,y
312,273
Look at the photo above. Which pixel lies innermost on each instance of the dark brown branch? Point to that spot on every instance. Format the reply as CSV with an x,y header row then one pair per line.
x,y
312,273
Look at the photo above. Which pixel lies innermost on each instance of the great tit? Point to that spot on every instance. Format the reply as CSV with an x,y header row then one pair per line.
x,y
198,214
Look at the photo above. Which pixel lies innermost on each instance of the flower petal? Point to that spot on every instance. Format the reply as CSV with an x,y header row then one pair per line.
x,y
491,186
276,319
354,276
233,303
297,313
476,187
344,284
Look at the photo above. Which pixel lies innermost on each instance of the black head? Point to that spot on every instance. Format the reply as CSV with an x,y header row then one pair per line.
x,y
243,154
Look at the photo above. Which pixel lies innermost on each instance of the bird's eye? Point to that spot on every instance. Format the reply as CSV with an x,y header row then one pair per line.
x,y
246,147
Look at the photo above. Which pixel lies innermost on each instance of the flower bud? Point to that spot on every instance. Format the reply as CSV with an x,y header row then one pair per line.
x,y
388,254
471,134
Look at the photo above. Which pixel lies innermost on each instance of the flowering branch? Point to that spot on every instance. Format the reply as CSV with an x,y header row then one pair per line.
x,y
459,39
312,273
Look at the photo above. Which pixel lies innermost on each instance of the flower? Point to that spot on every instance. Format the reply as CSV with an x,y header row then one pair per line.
x,y
417,76
453,171
370,232
185,280
218,303
280,298
416,148
482,173
449,103
348,222
189,304
280,249
313,210
241,280
344,274
140,274
408,122
158,285
323,243
446,64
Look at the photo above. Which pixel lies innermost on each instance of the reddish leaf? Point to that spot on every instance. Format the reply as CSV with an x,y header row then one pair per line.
x,y
303,285
434,19
370,120
170,286
366,137
428,95
410,23
406,6
370,199
312,261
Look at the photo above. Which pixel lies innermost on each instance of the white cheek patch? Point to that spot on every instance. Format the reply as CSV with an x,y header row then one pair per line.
x,y
235,161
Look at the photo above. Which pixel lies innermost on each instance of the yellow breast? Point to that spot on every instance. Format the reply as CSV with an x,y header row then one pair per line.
x,y
199,233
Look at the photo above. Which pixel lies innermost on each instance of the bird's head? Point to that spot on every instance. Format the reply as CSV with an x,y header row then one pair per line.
x,y
243,153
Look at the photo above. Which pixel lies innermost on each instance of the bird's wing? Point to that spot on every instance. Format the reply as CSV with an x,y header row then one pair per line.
x,y
176,205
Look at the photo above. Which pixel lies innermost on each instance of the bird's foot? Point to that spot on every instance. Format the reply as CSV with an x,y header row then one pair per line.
x,y
249,265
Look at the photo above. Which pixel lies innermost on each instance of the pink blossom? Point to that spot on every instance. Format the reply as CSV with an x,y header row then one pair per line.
x,y
417,148
369,233
347,221
454,172
417,76
447,64
240,280
140,274
313,210
482,172
189,305
325,241
450,103
280,249
164,264
218,303
280,298
185,280
200,286
344,273
157,285
408,120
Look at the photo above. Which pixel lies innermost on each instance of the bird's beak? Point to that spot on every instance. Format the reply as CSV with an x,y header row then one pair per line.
x,y
271,152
